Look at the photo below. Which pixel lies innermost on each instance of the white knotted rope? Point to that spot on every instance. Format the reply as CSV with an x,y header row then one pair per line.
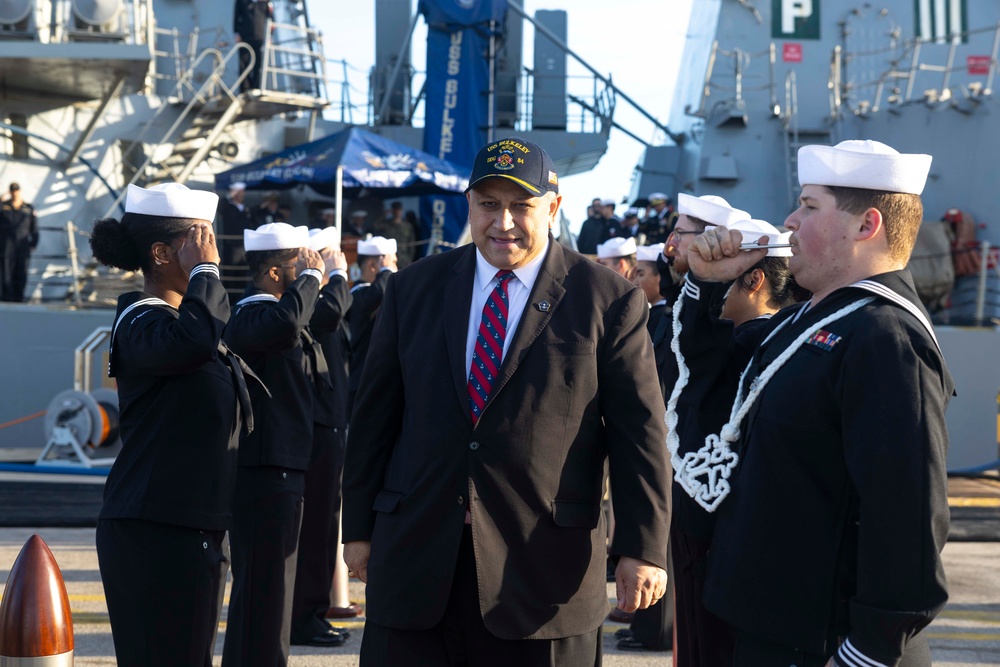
x,y
716,459
683,375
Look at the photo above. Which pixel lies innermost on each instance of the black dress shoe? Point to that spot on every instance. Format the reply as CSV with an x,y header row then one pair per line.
x,y
630,644
624,633
328,639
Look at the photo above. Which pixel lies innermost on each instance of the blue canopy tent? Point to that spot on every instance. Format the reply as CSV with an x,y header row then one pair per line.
x,y
366,161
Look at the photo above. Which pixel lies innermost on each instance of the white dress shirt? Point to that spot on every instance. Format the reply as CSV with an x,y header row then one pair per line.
x,y
518,289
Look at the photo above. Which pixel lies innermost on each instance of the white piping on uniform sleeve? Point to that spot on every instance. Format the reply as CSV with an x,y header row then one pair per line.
x,y
204,267
315,273
855,658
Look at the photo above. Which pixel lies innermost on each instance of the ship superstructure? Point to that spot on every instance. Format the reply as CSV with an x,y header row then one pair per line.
x,y
760,78
98,94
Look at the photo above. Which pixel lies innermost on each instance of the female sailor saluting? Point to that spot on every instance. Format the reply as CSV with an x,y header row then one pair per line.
x,y
183,398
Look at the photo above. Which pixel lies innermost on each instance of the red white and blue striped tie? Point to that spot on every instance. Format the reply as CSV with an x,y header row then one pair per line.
x,y
488,351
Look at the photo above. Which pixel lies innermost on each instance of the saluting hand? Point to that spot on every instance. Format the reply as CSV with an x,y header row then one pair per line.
x,y
715,256
308,259
639,584
389,261
199,247
334,259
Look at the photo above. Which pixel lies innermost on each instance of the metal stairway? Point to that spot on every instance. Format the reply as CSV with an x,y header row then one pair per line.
x,y
209,120
211,104
796,137
211,108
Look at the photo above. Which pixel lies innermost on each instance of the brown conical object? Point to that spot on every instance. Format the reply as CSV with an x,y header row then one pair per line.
x,y
36,627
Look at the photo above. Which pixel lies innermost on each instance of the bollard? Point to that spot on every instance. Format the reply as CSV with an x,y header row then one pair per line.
x,y
36,628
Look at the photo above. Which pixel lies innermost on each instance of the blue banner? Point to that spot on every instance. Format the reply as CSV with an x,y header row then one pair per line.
x,y
456,100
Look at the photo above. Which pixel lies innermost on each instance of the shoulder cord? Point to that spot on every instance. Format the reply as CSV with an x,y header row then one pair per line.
x,y
683,375
716,460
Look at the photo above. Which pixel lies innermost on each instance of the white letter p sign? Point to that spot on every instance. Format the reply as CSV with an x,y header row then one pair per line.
x,y
794,9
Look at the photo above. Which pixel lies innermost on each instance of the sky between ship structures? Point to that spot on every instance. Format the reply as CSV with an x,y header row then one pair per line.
x,y
636,42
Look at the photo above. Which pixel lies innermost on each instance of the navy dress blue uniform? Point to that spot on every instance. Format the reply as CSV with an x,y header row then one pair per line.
x,y
656,313
161,532
18,237
844,551
320,532
715,353
271,335
658,225
653,626
250,19
361,318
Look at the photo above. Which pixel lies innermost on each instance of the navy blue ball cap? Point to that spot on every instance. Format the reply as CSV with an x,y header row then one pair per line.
x,y
518,160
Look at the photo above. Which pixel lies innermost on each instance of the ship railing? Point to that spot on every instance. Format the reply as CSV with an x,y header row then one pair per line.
x,y
344,104
974,299
911,61
790,120
731,105
210,88
181,49
69,269
198,56
589,102
293,60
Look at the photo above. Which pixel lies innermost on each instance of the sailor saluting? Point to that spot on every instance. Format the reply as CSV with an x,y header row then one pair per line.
x,y
827,550
183,398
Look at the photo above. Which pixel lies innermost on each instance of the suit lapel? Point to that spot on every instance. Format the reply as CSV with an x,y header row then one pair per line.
x,y
548,288
458,297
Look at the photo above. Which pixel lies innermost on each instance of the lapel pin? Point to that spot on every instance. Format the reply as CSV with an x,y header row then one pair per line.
x,y
543,306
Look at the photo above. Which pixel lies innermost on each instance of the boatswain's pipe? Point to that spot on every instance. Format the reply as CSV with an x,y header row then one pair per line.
x,y
516,6
36,627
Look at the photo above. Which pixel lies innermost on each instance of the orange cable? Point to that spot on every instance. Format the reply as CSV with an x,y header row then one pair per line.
x,y
14,422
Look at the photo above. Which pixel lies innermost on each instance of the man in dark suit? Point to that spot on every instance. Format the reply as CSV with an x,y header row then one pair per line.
x,y
250,24
472,499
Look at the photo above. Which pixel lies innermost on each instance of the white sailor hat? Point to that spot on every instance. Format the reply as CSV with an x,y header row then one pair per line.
x,y
655,197
649,253
237,185
632,212
752,230
608,202
327,237
172,200
328,211
866,164
377,245
616,247
710,208
275,236
360,213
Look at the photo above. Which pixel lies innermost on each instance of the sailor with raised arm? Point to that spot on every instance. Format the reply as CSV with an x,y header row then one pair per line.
x,y
269,327
827,548
182,398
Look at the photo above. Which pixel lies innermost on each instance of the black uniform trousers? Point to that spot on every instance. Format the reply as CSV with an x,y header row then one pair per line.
x,y
267,513
320,533
164,586
252,82
461,639
703,639
753,651
14,257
